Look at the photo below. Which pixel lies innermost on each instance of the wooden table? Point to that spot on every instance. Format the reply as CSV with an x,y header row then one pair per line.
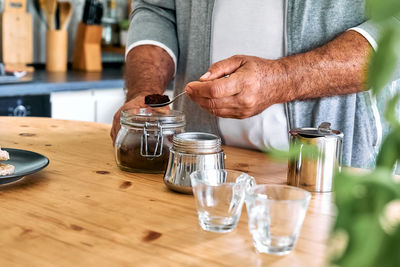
x,y
83,211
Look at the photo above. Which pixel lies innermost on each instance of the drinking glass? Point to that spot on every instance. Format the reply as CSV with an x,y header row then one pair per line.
x,y
219,196
276,214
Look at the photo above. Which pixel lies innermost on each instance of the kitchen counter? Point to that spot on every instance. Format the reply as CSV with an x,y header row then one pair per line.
x,y
83,211
46,82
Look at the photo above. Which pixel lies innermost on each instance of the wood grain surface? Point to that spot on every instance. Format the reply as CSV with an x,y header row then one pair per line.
x,y
83,211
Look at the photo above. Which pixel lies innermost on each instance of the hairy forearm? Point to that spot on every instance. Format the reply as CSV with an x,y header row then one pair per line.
x,y
339,67
149,69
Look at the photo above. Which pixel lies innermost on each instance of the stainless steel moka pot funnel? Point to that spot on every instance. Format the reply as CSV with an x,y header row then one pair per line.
x,y
192,151
315,172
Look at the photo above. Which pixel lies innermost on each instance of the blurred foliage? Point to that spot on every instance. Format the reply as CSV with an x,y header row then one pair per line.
x,y
306,150
390,113
367,228
372,237
380,10
385,60
390,150
124,24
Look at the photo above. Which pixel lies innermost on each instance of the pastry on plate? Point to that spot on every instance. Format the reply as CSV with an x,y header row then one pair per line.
x,y
4,155
6,169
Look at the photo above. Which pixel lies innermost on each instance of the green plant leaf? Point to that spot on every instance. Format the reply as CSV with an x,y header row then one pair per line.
x,y
360,200
380,10
384,61
124,24
390,112
390,150
306,150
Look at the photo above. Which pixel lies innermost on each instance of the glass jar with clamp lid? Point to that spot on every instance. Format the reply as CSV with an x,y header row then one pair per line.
x,y
143,142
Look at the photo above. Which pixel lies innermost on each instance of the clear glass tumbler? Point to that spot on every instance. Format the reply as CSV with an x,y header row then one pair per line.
x,y
276,214
219,196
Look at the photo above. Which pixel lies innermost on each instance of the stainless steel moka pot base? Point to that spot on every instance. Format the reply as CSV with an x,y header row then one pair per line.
x,y
192,151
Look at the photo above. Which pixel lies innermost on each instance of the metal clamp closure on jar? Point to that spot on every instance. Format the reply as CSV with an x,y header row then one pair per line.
x,y
158,135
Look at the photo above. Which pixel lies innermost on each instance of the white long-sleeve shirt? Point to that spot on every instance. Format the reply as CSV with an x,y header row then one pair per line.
x,y
254,28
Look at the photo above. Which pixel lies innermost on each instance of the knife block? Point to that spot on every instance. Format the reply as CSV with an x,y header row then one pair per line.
x,y
87,50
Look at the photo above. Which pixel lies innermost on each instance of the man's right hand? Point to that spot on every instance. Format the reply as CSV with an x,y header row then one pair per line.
x,y
149,70
136,102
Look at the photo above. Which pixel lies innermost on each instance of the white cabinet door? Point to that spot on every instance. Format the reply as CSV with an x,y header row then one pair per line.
x,y
107,103
87,105
73,105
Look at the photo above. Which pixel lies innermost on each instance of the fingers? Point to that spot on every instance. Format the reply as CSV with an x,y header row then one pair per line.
x,y
137,102
213,89
223,68
115,126
232,107
231,113
216,103
163,110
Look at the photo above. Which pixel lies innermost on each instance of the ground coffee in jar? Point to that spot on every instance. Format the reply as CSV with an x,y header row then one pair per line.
x,y
143,142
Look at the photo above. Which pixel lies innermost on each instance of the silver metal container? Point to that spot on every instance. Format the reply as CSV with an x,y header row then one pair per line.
x,y
314,171
190,152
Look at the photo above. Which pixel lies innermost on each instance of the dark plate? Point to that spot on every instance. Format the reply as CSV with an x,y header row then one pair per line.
x,y
25,162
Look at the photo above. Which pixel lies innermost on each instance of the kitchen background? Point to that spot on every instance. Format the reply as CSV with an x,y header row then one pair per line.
x,y
115,11
72,95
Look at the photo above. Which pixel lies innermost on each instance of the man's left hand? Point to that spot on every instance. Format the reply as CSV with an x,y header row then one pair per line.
x,y
240,87
336,68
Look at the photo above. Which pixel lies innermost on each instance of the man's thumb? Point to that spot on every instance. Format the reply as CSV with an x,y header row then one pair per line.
x,y
222,68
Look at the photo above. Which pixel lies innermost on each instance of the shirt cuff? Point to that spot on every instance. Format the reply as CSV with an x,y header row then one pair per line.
x,y
155,43
366,35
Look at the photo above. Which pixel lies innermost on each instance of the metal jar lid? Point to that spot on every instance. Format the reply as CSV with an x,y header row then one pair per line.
x,y
323,130
141,117
196,143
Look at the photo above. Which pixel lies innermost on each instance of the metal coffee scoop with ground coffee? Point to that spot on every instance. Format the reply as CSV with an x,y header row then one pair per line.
x,y
156,99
